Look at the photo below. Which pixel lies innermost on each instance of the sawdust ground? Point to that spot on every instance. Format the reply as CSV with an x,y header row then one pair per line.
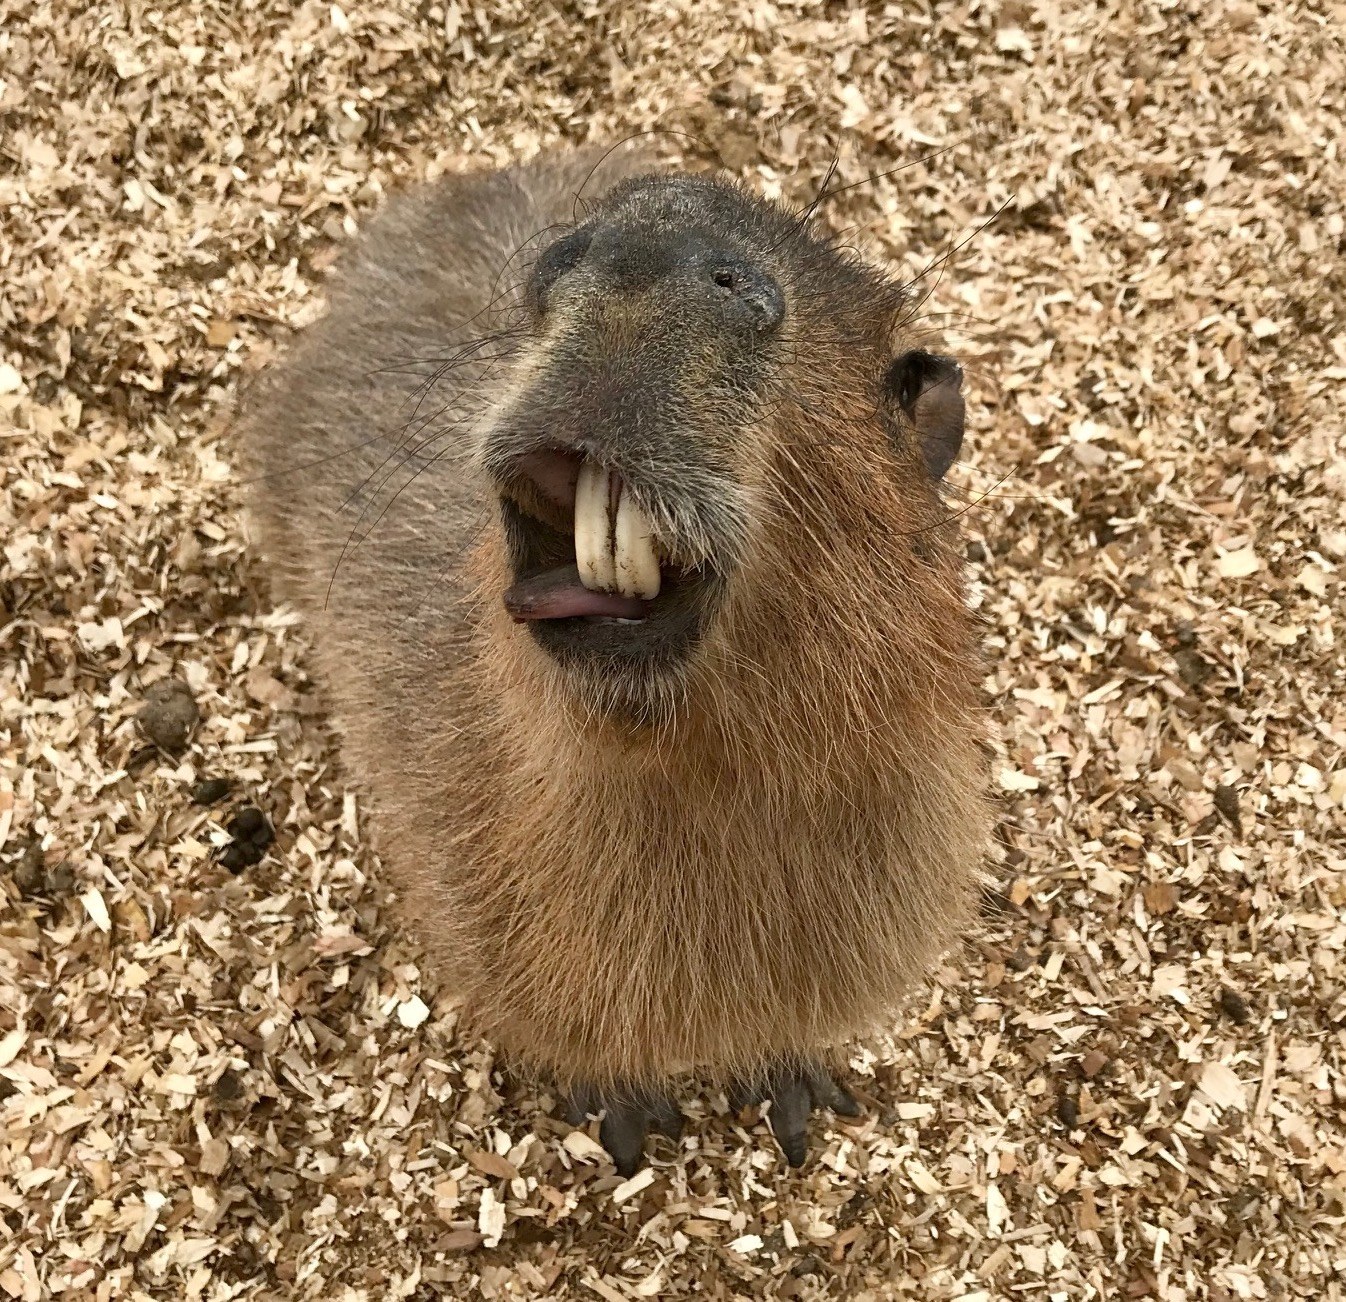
x,y
1127,1084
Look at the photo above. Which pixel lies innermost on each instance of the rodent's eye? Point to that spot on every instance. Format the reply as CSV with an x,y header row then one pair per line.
x,y
559,257
725,279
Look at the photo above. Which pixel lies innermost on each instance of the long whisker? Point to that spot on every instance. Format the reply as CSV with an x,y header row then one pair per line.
x,y
957,248
419,393
883,176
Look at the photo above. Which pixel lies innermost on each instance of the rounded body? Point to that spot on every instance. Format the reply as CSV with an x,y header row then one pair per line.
x,y
765,860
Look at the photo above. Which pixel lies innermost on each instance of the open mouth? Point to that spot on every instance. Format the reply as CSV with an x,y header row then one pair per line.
x,y
591,575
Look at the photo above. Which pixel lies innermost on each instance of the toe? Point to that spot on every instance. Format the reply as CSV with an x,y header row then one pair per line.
x,y
622,1133
744,1094
627,1117
579,1105
666,1118
827,1093
793,1092
789,1118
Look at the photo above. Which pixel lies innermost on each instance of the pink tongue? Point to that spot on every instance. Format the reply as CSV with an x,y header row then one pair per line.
x,y
559,594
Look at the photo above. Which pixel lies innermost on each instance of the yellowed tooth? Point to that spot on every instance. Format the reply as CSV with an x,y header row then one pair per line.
x,y
636,562
593,529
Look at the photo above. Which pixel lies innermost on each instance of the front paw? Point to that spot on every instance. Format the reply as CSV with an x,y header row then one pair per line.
x,y
794,1091
628,1117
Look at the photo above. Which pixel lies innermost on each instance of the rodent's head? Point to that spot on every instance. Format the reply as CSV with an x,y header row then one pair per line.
x,y
700,376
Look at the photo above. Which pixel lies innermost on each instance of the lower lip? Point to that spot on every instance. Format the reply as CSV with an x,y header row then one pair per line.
x,y
588,619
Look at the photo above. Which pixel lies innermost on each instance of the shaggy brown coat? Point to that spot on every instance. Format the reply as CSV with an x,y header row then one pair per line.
x,y
766,866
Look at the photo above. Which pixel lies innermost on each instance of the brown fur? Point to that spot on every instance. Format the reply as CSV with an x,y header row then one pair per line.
x,y
767,863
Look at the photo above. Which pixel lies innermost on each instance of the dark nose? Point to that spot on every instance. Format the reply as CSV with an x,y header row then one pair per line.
x,y
709,272
635,260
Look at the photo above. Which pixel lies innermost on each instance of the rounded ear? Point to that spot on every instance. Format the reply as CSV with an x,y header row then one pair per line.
x,y
927,389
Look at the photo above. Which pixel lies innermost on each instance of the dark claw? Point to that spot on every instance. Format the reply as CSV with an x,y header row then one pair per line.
x,y
743,1095
579,1105
622,1133
790,1108
829,1093
627,1120
794,1092
666,1118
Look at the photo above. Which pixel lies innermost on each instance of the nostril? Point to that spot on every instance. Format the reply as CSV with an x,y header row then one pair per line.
x,y
746,292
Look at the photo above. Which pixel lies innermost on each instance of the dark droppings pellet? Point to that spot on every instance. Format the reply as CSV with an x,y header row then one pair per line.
x,y
1234,1006
1227,802
169,715
210,791
240,855
251,835
1192,669
246,824
30,870
1068,1111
